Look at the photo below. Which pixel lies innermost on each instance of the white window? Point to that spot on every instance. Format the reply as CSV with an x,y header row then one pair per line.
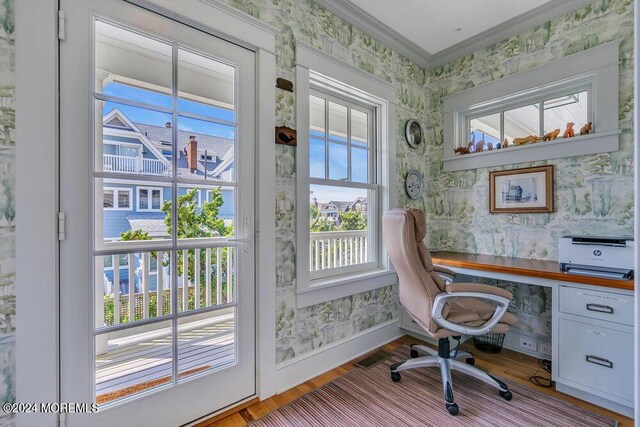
x,y
149,199
530,112
206,157
116,198
342,186
345,155
121,149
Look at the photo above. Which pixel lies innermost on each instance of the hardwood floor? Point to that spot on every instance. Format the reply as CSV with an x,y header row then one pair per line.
x,y
511,365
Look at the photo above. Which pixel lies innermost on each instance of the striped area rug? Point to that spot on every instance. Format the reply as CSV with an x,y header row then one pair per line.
x,y
370,398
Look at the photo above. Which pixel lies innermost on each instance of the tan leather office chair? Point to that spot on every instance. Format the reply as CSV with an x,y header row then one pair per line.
x,y
440,306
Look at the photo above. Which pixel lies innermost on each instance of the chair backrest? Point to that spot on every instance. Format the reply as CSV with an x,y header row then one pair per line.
x,y
403,231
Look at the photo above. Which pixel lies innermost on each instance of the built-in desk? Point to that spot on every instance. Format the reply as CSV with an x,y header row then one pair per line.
x,y
592,325
523,267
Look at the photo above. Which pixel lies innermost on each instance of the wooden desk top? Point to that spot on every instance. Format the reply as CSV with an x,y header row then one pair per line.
x,y
523,267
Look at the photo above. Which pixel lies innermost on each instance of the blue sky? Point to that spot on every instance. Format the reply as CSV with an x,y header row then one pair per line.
x,y
337,153
157,118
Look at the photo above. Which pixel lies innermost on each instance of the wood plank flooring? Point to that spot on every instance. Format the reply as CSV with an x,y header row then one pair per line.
x,y
508,364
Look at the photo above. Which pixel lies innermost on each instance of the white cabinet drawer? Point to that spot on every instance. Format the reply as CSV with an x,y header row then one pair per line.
x,y
608,306
596,357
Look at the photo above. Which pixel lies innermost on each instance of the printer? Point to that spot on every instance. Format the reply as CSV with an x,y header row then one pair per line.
x,y
609,257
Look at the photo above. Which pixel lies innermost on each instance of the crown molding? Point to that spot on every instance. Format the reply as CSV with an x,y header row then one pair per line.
x,y
378,30
405,47
506,30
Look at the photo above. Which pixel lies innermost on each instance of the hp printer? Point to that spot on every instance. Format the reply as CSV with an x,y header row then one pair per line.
x,y
610,257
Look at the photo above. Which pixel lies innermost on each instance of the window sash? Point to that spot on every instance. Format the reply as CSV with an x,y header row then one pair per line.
x,y
371,262
115,198
538,98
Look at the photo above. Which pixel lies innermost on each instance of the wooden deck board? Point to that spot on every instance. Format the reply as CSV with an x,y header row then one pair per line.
x,y
133,362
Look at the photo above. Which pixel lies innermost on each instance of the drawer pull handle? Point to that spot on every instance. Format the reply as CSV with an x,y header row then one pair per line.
x,y
600,361
600,308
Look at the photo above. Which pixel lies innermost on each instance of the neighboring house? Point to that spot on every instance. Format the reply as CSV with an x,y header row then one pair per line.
x,y
334,209
142,149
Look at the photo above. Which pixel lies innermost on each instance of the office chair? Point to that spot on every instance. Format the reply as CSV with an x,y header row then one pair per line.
x,y
440,306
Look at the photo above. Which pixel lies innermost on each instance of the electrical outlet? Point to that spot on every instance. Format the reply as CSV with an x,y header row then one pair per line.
x,y
545,348
528,343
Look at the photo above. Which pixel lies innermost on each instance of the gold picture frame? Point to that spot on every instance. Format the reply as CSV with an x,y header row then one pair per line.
x,y
524,190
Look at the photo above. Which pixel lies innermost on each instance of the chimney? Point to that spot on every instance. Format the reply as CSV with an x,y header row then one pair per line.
x,y
192,154
167,125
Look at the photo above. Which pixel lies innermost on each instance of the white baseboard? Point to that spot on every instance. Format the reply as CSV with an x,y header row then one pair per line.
x,y
301,369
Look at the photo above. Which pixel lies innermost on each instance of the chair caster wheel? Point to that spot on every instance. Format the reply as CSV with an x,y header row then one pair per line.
x,y
470,361
395,377
414,354
506,395
453,409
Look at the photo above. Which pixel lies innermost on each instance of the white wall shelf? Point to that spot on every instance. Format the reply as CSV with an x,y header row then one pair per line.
x,y
601,142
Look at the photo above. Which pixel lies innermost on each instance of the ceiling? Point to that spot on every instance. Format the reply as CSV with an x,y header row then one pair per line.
x,y
434,32
435,25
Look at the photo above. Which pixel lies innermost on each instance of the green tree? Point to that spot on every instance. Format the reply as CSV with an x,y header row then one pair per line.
x,y
135,235
193,223
353,220
321,224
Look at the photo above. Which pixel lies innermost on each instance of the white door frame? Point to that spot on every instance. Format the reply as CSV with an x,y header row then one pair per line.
x,y
37,186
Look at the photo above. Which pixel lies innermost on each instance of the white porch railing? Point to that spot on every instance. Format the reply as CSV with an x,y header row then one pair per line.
x,y
331,249
140,165
208,281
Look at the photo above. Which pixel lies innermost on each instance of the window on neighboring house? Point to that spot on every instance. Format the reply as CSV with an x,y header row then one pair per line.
x,y
149,199
123,150
167,154
116,198
207,157
342,185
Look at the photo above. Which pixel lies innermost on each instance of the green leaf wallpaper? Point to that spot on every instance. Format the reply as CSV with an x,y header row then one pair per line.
x,y
594,194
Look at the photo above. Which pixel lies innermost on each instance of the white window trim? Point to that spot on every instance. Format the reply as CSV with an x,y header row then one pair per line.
x,y
117,190
595,69
382,96
137,147
150,196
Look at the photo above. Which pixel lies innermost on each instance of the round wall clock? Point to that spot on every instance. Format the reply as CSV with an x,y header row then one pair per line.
x,y
413,133
414,184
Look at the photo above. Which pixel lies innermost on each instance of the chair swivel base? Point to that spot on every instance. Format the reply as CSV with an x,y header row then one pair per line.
x,y
447,360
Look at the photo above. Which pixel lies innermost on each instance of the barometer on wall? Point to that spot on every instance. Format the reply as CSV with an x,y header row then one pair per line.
x,y
414,184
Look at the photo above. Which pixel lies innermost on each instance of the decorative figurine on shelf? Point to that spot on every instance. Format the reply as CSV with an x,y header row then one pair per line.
x,y
505,144
480,145
461,150
526,140
498,146
551,136
472,143
490,146
569,133
586,129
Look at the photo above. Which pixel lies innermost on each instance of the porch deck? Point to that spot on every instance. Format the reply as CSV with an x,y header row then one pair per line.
x,y
139,362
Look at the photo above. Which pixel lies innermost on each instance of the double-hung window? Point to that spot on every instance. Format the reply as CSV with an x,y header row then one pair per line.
x,y
116,198
345,173
149,199
342,186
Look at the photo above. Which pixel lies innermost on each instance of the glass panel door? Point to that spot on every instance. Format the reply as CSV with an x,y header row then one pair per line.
x,y
170,259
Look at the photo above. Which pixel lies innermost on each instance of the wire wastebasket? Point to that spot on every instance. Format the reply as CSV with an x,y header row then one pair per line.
x,y
489,343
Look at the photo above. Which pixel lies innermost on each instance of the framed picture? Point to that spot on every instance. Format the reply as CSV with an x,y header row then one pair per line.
x,y
413,133
527,190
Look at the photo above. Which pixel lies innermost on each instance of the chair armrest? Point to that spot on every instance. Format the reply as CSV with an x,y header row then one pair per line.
x,y
479,288
463,290
445,273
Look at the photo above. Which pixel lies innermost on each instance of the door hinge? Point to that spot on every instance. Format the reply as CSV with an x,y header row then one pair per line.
x,y
62,419
62,226
62,27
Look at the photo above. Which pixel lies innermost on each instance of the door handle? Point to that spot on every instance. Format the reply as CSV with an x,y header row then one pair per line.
x,y
600,308
600,361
